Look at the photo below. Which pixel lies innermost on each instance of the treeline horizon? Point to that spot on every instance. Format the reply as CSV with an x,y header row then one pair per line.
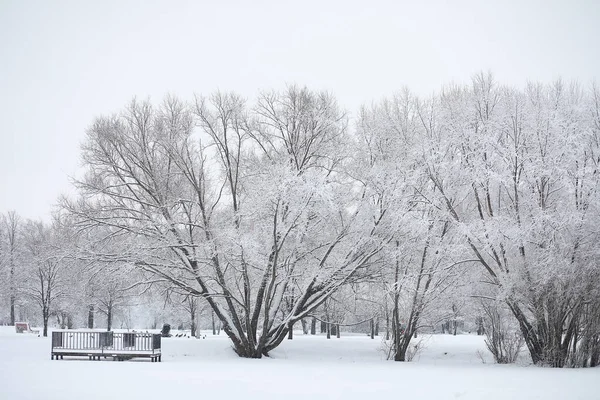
x,y
479,203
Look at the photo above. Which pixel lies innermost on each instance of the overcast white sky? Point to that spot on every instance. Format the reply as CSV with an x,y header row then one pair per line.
x,y
64,62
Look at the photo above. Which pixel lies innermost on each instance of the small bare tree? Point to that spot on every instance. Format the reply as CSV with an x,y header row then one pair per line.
x,y
46,267
503,339
10,250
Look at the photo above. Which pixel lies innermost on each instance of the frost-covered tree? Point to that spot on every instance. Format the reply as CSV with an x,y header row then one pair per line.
x,y
4,277
265,211
510,179
45,268
10,250
418,265
110,290
238,205
517,171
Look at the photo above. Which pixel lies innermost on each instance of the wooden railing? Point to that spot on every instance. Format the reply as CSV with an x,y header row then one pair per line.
x,y
117,345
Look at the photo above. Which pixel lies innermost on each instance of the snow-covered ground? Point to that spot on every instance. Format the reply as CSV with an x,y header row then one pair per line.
x,y
352,367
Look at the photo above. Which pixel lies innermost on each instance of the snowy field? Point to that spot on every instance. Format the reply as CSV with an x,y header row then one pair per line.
x,y
307,367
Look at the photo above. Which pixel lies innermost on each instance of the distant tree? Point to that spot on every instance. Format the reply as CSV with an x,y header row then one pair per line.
x,y
4,274
45,267
9,253
110,290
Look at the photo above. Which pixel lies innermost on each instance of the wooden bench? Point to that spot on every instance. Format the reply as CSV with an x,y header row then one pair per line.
x,y
96,345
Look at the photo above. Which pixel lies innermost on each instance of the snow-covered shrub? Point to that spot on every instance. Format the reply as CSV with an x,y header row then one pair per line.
x,y
502,340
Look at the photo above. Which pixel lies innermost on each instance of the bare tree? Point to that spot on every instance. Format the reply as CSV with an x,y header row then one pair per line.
x,y
11,228
418,265
523,167
241,221
109,288
502,340
45,282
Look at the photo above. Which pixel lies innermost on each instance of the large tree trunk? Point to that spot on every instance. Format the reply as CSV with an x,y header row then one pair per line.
x,y
193,327
313,326
387,323
549,343
45,317
304,326
401,341
109,318
90,321
246,349
214,330
480,326
400,354
12,309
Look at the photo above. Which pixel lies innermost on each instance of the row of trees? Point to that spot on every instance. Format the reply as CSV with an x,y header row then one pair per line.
x,y
49,277
43,276
277,211
41,282
506,181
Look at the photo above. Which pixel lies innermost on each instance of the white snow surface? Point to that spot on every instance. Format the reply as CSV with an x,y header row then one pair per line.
x,y
352,367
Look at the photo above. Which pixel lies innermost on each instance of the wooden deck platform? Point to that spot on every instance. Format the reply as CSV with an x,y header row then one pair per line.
x,y
98,345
